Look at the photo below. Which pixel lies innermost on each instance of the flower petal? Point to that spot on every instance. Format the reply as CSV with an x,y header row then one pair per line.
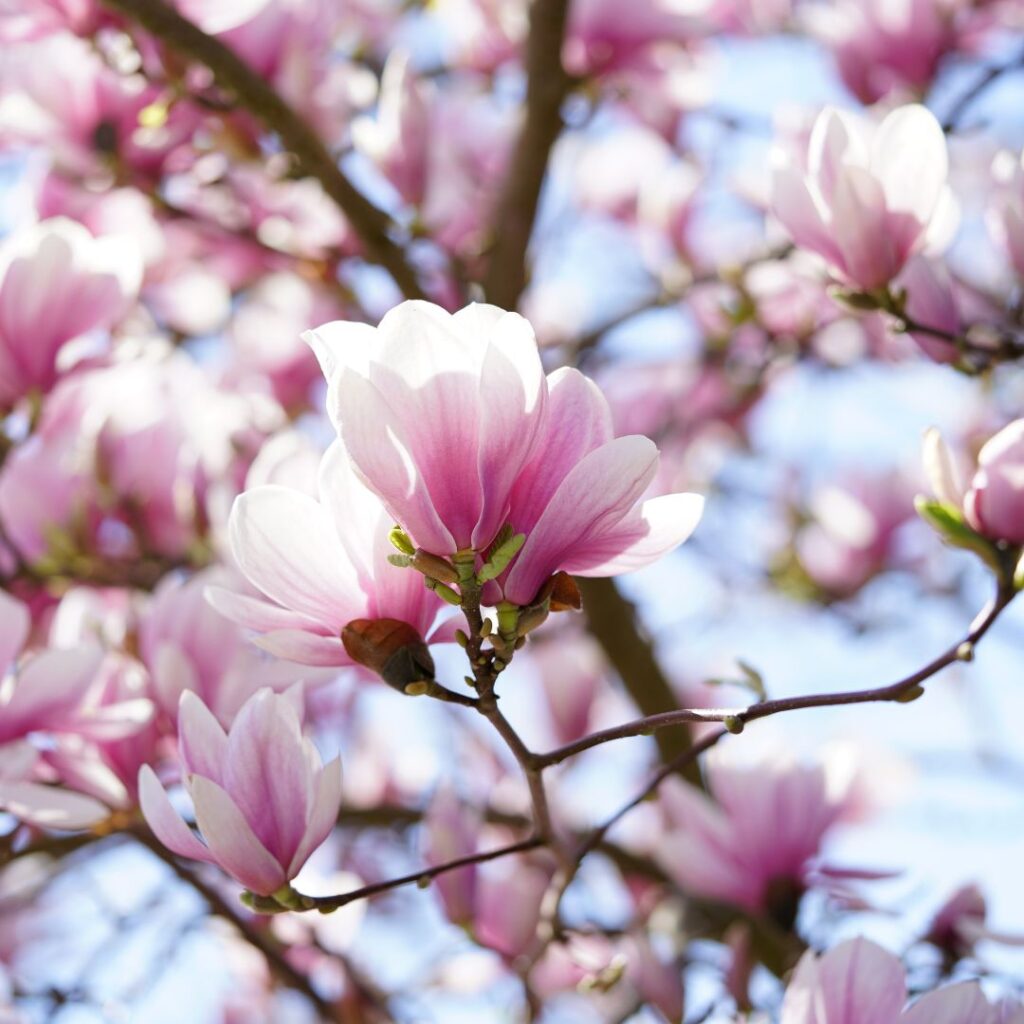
x,y
286,544
231,840
167,825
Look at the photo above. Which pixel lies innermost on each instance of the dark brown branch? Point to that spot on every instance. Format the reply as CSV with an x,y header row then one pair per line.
x,y
980,85
547,85
259,98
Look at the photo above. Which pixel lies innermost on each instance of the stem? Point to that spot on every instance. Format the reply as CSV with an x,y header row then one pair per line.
x,y
325,904
737,717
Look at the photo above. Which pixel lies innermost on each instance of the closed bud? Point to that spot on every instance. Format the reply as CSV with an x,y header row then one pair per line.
x,y
500,556
434,566
734,724
392,649
400,539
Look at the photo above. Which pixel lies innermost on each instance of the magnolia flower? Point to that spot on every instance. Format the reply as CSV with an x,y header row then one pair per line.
x,y
881,46
993,500
57,283
757,843
449,419
319,564
52,692
263,799
867,197
578,499
858,982
187,645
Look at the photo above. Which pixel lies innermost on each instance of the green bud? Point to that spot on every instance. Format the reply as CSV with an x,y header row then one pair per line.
x,y
734,724
911,695
400,539
444,592
486,629
949,523
500,556
965,652
423,882
402,561
433,565
417,689
461,639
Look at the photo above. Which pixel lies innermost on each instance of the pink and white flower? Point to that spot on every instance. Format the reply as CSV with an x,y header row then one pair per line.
x,y
867,197
263,799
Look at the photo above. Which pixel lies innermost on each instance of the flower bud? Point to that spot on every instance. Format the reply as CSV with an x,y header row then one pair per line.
x,y
392,649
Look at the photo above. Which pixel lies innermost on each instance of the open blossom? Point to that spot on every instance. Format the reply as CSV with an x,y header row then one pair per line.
x,y
884,45
867,197
319,564
263,799
52,692
187,645
859,982
449,419
57,283
757,844
992,500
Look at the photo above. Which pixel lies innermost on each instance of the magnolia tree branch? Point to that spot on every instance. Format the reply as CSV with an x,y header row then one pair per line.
x,y
547,85
254,934
259,98
907,688
327,904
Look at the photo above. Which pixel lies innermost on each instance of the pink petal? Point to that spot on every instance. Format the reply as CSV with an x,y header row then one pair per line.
x,y
268,773
660,525
512,381
323,816
14,625
231,841
304,648
256,613
202,743
578,422
859,981
49,807
167,825
287,546
595,495
955,1004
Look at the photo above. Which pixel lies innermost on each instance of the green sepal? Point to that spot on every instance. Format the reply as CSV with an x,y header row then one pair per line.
x,y
948,522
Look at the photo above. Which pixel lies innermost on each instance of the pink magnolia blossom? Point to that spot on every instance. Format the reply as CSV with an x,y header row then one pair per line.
x,y
852,535
606,36
882,46
187,645
757,844
53,692
867,197
453,185
579,500
318,565
613,974
59,92
449,419
931,302
858,982
263,799
57,283
128,457
993,498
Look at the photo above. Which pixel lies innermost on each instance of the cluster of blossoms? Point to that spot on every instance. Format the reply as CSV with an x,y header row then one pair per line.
x,y
222,525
